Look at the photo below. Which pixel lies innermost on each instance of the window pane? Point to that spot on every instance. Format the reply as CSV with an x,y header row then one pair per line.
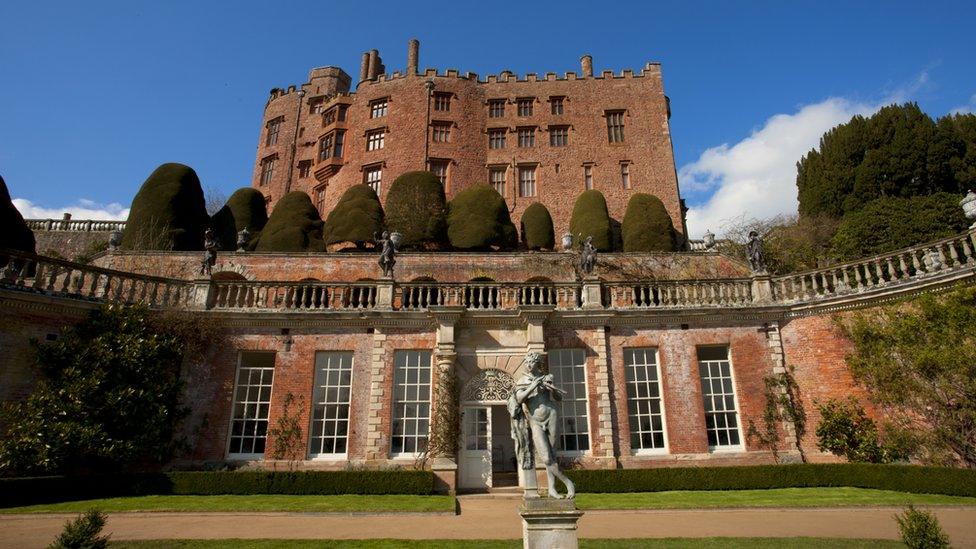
x,y
568,370
411,406
643,396
330,402
718,396
252,398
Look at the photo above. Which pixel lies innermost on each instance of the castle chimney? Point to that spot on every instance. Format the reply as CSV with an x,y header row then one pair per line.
x,y
413,56
587,64
374,64
364,67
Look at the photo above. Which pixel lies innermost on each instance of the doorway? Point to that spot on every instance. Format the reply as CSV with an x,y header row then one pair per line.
x,y
487,451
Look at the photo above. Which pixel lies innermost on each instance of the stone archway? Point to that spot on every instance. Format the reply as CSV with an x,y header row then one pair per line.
x,y
489,385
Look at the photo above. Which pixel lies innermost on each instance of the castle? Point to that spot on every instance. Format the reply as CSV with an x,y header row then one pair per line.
x,y
533,138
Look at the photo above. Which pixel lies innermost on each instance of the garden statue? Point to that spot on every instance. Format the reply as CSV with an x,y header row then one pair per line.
x,y
968,204
210,252
535,420
242,238
755,254
587,256
114,240
388,243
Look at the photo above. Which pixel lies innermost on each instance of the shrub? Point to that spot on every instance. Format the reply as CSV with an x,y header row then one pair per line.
x,y
14,232
921,530
245,209
168,212
478,219
537,231
294,226
845,430
82,532
591,218
357,217
647,226
415,207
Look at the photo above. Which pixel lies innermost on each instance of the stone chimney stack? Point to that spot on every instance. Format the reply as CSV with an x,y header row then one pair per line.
x,y
413,56
364,67
587,64
374,64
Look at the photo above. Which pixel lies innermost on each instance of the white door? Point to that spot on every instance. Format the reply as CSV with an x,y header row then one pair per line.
x,y
475,447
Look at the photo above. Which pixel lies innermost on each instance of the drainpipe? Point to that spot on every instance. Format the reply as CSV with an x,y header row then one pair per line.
x,y
429,86
294,141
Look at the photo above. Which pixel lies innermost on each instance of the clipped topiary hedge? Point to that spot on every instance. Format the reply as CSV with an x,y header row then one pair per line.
x,y
357,217
537,231
591,218
34,490
244,209
294,226
168,212
647,227
478,219
14,232
415,207
901,478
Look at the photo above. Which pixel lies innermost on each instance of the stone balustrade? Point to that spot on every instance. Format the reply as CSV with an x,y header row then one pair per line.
x,y
290,296
487,295
77,225
680,293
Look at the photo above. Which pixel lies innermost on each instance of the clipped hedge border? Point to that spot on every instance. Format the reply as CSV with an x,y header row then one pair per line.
x,y
901,478
34,490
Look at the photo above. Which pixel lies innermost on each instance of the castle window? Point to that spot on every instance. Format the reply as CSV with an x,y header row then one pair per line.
x,y
587,177
496,176
377,108
496,138
330,404
568,370
325,147
304,169
439,168
274,127
645,408
339,138
329,117
252,399
375,139
496,108
558,136
268,168
441,132
316,106
411,402
718,395
615,126
526,137
557,105
442,101
524,106
320,199
625,174
373,176
526,181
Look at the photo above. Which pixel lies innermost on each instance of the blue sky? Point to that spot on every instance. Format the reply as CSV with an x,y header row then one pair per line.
x,y
95,94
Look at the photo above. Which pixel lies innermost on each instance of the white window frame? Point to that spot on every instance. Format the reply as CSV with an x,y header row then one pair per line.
x,y
521,184
251,456
341,355
497,136
436,165
526,137
586,405
504,179
740,447
378,108
442,130
268,166
376,184
393,411
375,139
492,111
660,388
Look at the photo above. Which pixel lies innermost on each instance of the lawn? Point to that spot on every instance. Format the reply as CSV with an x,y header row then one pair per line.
x,y
685,543
778,497
262,503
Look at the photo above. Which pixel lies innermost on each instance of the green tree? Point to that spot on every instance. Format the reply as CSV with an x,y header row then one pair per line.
x,y
921,530
918,360
591,218
357,217
647,226
293,226
108,396
478,219
14,232
83,532
537,231
791,242
846,430
416,208
245,209
168,212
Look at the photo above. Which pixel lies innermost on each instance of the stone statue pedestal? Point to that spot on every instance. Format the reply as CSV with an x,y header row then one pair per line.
x,y
549,523
592,293
384,294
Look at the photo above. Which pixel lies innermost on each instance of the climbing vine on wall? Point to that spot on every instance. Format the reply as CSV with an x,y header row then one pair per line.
x,y
783,404
445,428
287,432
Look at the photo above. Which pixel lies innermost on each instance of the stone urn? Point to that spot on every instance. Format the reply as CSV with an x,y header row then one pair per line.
x,y
708,239
567,241
114,240
396,238
968,204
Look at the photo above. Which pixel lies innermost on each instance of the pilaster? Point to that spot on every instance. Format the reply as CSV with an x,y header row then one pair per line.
x,y
378,399
601,376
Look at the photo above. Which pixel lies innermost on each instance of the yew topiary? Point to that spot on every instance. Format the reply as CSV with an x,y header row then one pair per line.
x,y
357,217
245,209
14,232
168,212
294,226
647,227
591,218
415,207
537,231
478,219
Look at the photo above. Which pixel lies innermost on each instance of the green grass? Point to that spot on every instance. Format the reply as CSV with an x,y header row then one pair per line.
x,y
776,497
673,543
262,503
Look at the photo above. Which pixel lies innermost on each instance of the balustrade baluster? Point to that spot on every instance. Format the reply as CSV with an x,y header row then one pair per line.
x,y
953,253
942,257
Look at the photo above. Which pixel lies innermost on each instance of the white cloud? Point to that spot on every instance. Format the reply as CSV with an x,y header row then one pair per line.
x,y
82,209
968,108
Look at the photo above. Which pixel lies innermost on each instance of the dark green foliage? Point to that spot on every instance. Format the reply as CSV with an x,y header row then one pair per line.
x,y
28,491
898,152
357,217
415,207
83,532
647,225
245,209
14,232
901,478
294,226
921,530
845,430
537,231
108,397
168,212
478,219
590,218
889,224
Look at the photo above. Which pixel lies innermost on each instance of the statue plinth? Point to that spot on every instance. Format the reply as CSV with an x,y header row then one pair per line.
x,y
549,523
592,297
384,294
